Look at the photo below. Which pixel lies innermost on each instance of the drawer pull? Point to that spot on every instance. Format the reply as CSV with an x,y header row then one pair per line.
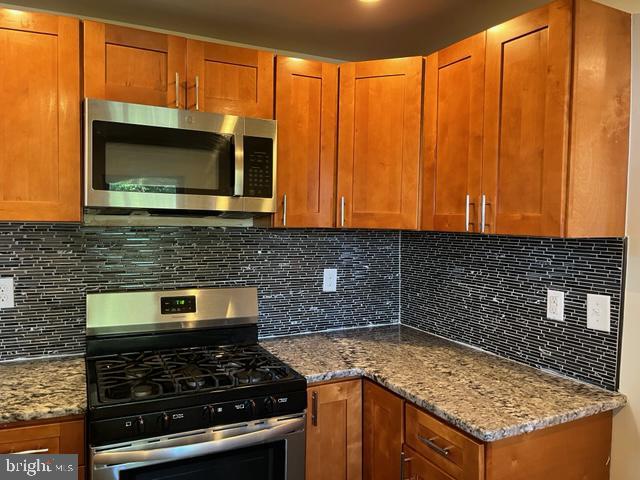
x,y
429,442
26,452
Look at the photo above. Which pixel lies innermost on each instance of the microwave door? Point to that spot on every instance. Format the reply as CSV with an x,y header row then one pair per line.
x,y
157,168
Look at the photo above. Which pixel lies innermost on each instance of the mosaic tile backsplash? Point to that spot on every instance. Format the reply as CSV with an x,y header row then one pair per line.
x,y
55,265
490,292
486,291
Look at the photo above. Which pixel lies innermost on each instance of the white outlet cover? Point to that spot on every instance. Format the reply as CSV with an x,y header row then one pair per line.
x,y
6,292
555,305
330,280
599,312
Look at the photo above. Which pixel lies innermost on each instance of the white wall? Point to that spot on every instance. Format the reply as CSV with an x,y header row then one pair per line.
x,y
625,457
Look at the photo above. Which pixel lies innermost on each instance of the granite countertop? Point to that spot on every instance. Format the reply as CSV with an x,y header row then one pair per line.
x,y
484,395
39,389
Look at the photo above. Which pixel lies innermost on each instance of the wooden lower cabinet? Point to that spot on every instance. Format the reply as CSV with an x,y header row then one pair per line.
x,y
382,432
399,440
51,436
334,431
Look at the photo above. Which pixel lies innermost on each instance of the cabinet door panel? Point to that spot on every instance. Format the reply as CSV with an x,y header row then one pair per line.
x,y
136,66
334,441
526,122
306,110
40,131
231,80
453,122
379,143
382,436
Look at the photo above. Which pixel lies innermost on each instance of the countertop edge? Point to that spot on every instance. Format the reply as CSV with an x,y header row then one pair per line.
x,y
480,434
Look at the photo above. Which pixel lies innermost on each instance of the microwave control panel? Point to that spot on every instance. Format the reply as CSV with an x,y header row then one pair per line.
x,y
258,167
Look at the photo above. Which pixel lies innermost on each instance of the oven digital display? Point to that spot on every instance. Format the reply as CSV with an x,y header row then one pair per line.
x,y
171,305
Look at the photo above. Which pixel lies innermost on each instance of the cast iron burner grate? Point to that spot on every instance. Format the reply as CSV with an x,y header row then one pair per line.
x,y
146,375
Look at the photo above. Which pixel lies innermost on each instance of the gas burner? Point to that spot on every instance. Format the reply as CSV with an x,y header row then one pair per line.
x,y
144,390
246,377
137,371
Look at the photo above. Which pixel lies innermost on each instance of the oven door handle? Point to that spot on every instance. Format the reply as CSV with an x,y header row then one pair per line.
x,y
179,452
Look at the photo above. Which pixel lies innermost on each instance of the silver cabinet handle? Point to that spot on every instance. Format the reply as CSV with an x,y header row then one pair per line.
x,y
466,214
26,452
314,408
403,461
284,210
483,214
429,442
342,203
197,92
177,90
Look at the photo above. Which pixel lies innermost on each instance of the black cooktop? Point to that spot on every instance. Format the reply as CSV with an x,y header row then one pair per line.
x,y
131,377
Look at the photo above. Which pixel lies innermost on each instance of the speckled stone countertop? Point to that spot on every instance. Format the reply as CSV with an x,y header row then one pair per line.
x,y
489,397
39,389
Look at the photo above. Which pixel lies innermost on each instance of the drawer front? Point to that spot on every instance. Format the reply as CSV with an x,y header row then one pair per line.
x,y
417,467
450,450
35,445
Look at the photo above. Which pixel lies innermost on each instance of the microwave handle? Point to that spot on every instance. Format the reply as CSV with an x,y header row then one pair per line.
x,y
238,183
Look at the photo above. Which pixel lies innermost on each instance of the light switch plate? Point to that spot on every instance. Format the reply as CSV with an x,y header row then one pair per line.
x,y
555,305
599,312
6,292
330,280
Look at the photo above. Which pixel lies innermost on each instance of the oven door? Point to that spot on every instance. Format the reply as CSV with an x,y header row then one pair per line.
x,y
155,158
272,449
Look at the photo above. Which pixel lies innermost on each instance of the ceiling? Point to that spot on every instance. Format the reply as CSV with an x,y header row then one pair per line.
x,y
336,29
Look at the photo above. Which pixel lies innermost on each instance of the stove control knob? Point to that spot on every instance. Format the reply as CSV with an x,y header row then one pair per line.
x,y
165,421
140,424
208,413
251,405
269,404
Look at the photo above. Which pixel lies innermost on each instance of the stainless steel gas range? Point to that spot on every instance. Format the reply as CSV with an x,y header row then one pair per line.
x,y
179,388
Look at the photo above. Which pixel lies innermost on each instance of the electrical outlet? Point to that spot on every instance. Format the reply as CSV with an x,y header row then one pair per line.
x,y
6,292
330,280
599,312
555,305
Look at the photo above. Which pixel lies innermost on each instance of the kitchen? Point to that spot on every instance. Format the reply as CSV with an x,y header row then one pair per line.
x,y
291,256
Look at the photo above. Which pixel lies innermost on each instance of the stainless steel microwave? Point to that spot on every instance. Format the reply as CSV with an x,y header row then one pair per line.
x,y
172,162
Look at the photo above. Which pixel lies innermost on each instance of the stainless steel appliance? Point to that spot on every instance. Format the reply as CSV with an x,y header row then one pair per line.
x,y
178,387
171,162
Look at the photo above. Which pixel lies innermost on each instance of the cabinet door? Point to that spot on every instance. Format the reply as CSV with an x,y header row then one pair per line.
x,y
453,122
526,122
306,110
136,66
40,121
382,436
334,431
230,80
379,143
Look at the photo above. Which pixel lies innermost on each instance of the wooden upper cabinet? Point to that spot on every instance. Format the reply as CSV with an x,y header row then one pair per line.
x,y
306,111
382,432
136,66
40,121
557,121
379,143
334,431
230,80
526,128
452,146
599,148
